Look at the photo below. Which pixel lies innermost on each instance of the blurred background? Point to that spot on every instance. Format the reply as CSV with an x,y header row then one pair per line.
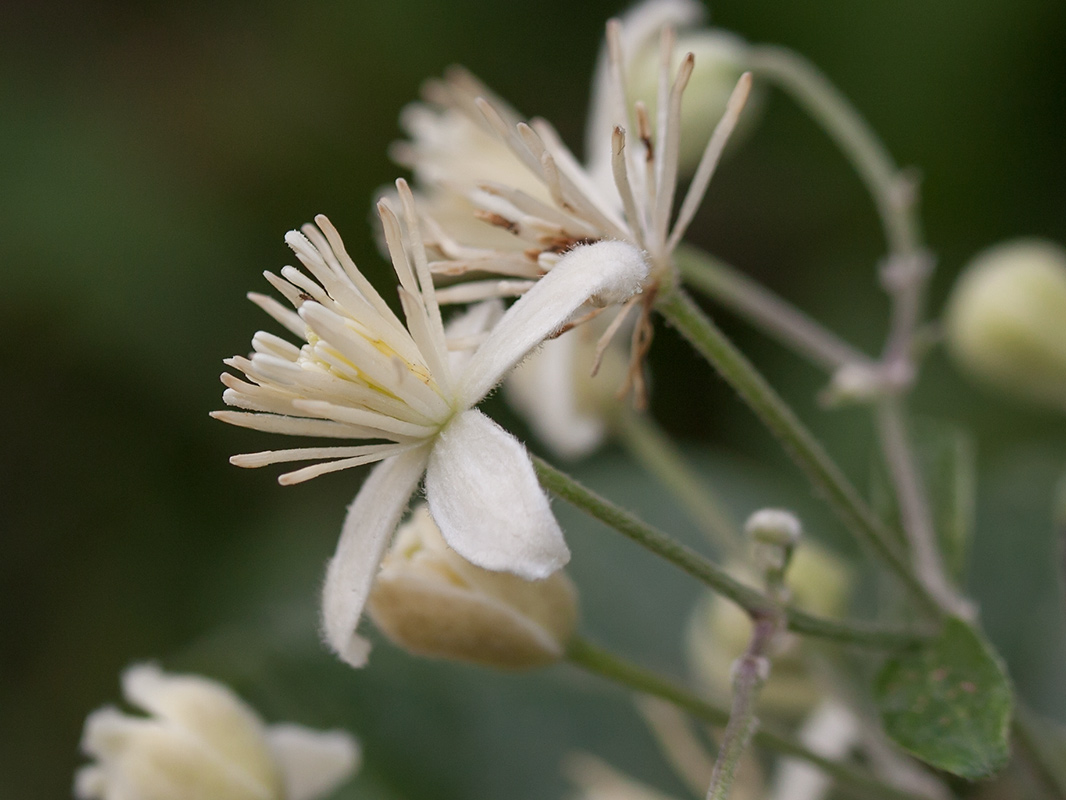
x,y
153,154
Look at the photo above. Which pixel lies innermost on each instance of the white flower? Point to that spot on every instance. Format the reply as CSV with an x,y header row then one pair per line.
x,y
362,374
470,150
201,741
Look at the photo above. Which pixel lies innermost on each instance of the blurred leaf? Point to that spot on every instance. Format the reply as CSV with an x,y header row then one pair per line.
x,y
946,460
949,703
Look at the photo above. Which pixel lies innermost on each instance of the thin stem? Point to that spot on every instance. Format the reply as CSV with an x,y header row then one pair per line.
x,y
892,192
647,442
722,354
713,576
770,313
749,675
593,659
914,509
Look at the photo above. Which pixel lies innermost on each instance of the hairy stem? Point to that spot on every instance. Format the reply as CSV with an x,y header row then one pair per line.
x,y
749,674
688,560
600,662
806,451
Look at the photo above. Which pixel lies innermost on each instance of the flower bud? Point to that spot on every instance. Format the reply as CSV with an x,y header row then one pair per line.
x,y
720,60
431,602
1006,319
202,741
719,631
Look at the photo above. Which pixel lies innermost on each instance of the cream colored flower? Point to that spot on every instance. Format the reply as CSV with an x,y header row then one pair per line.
x,y
201,741
471,152
361,373
430,601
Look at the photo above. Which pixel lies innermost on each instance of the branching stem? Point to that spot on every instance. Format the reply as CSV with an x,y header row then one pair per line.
x,y
685,558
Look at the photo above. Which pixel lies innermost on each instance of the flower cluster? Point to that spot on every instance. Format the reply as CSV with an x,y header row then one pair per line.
x,y
361,373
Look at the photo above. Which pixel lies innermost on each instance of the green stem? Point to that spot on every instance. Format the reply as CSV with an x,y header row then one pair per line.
x,y
710,574
600,662
771,314
647,442
679,309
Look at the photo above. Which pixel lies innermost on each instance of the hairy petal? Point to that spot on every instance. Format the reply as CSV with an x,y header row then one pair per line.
x,y
485,498
372,518
607,272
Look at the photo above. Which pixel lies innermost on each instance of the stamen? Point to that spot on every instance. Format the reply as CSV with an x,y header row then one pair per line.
x,y
616,63
608,335
670,139
709,160
286,289
288,318
375,452
482,290
621,182
388,427
667,41
534,207
650,185
315,470
292,426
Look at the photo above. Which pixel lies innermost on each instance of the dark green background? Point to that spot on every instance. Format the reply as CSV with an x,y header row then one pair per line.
x,y
153,154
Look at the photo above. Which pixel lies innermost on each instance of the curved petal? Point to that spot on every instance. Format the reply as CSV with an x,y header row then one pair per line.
x,y
312,763
608,272
484,497
372,518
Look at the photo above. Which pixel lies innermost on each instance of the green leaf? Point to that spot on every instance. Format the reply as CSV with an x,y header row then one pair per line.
x,y
946,461
949,703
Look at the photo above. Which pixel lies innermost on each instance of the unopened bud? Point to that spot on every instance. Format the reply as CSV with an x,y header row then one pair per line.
x,y
719,631
774,526
432,602
1006,319
202,741
720,60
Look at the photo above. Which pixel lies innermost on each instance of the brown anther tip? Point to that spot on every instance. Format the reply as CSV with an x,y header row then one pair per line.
x,y
498,220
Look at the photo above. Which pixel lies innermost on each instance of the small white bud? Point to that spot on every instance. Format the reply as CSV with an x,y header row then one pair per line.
x,y
432,602
720,60
202,741
1006,320
774,526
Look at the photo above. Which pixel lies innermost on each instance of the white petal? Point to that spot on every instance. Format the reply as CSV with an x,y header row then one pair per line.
x,y
609,271
484,497
312,762
371,520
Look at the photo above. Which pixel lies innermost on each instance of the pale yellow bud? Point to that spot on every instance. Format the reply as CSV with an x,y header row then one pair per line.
x,y
1006,320
720,61
719,631
430,601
